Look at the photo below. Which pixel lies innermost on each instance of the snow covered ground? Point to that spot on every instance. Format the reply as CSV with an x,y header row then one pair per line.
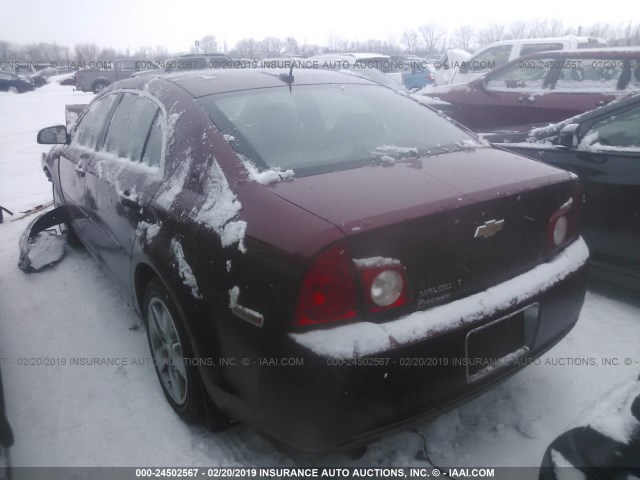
x,y
97,415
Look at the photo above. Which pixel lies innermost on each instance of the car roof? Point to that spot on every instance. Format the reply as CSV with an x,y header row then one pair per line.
x,y
565,38
202,83
587,52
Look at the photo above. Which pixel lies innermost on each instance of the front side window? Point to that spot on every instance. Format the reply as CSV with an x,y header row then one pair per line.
x,y
89,128
524,75
129,127
320,128
620,132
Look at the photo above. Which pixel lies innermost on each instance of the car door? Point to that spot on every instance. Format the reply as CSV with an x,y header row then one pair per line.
x,y
5,81
74,159
607,160
122,179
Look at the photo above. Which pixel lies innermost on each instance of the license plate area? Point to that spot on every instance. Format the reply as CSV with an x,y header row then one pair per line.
x,y
500,343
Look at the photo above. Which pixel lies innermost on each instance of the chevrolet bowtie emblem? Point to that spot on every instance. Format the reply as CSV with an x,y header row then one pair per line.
x,y
489,229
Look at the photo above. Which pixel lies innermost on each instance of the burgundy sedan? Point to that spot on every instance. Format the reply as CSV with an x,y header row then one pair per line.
x,y
315,254
545,87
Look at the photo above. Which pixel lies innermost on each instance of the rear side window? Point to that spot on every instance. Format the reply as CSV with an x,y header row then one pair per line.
x,y
88,129
129,127
591,75
491,58
539,47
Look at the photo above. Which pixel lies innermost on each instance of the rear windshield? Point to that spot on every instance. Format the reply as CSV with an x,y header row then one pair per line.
x,y
320,128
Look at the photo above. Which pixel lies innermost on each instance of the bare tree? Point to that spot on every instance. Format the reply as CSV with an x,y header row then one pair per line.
x,y
247,48
490,34
409,40
464,38
519,29
271,46
293,48
208,44
337,44
431,35
556,28
86,52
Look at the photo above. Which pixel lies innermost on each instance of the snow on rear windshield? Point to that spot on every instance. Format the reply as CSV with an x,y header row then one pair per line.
x,y
318,128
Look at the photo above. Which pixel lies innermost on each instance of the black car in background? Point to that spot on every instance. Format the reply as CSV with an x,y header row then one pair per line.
x,y
605,446
602,147
6,438
9,82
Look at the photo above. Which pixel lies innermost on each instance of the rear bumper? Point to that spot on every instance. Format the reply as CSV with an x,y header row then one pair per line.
x,y
361,381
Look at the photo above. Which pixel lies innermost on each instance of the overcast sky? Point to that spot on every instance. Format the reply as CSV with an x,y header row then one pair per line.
x,y
176,24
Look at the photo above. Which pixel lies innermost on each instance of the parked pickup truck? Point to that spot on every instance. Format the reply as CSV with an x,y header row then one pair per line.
x,y
94,80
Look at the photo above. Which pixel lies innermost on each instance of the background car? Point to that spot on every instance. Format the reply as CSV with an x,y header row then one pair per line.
x,y
10,82
544,87
6,438
289,239
606,444
603,148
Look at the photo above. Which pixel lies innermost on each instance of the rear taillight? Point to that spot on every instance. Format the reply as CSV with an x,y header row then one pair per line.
x,y
328,293
564,224
384,284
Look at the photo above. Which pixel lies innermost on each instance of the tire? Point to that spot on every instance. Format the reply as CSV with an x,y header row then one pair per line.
x,y
99,86
72,238
169,346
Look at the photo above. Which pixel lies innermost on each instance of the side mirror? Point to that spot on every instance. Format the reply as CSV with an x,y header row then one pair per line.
x,y
53,135
568,136
635,408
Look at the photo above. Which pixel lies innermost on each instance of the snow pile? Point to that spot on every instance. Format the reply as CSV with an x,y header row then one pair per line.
x,y
365,338
265,177
394,149
220,207
611,415
46,248
147,231
565,470
184,270
251,316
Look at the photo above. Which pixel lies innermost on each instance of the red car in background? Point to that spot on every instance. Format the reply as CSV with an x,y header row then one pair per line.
x,y
543,87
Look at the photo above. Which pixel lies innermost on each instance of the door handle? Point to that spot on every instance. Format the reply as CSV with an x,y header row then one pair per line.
x,y
84,156
80,170
526,100
129,200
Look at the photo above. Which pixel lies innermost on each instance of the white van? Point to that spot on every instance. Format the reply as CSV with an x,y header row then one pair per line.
x,y
454,68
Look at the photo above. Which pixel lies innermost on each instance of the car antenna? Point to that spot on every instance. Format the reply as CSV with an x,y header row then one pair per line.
x,y
288,77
